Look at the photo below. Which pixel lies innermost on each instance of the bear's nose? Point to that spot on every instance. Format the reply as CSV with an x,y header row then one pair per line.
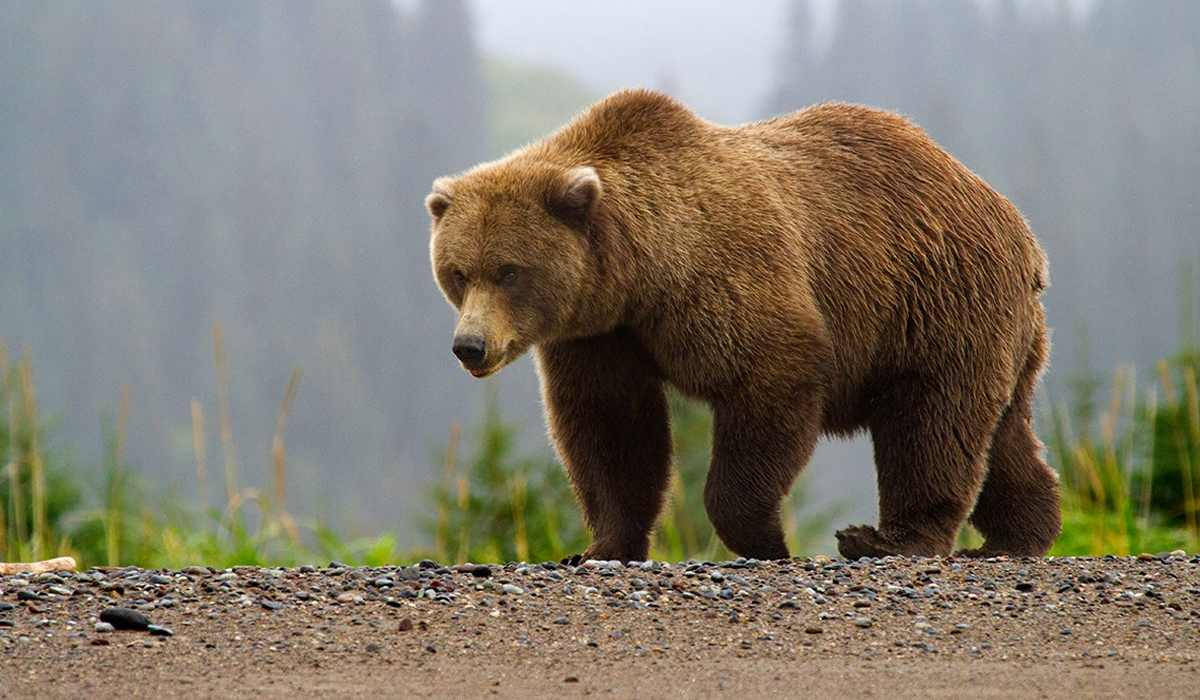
x,y
469,349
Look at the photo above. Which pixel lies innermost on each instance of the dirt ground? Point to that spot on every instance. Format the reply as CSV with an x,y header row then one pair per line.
x,y
891,628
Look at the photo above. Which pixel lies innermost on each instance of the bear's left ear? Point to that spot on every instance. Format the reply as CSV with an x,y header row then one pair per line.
x,y
440,198
575,195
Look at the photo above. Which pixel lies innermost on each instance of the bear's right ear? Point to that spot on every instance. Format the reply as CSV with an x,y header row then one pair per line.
x,y
575,195
440,198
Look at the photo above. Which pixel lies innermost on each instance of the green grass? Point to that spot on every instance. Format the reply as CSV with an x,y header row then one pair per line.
x,y
1129,470
43,514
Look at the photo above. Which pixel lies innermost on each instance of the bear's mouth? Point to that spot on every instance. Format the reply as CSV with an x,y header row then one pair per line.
x,y
493,362
486,371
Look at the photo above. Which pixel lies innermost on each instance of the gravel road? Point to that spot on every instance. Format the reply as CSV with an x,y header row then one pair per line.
x,y
888,628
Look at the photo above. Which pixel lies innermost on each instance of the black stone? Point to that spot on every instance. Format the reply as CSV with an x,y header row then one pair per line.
x,y
125,618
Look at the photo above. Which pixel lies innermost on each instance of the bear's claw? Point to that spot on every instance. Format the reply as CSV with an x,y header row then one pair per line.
x,y
857,541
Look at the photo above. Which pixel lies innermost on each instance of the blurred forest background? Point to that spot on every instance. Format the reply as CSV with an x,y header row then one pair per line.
x,y
168,165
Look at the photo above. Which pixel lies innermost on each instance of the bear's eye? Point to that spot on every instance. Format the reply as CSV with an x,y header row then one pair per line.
x,y
460,280
508,275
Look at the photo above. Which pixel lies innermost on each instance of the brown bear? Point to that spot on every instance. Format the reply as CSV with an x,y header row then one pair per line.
x,y
822,272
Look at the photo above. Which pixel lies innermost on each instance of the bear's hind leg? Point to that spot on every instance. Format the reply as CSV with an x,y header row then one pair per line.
x,y
1017,512
930,446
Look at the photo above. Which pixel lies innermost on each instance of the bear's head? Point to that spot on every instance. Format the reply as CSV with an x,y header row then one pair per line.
x,y
513,249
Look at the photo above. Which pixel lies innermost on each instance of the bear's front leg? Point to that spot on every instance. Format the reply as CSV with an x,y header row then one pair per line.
x,y
609,421
759,448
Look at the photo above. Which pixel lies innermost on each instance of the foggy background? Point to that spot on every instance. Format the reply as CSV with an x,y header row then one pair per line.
x,y
168,164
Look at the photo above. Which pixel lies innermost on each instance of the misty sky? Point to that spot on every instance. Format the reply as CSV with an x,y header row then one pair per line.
x,y
717,56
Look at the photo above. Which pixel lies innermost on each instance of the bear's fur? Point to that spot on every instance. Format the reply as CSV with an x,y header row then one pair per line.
x,y
822,272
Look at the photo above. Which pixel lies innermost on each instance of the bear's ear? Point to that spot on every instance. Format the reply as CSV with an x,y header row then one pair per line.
x,y
575,195
440,198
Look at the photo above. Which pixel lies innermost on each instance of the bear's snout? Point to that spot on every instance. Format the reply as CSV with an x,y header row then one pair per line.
x,y
470,350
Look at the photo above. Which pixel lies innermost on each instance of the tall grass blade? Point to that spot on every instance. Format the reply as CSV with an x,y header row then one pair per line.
x,y
16,495
519,498
223,411
117,482
1191,467
37,475
463,505
4,391
200,450
1148,476
279,456
1179,434
449,470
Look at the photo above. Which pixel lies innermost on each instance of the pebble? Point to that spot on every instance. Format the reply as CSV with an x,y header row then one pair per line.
x,y
125,618
511,589
863,622
103,627
157,631
406,624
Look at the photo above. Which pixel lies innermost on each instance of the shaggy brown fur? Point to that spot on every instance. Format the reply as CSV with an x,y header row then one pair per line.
x,y
822,272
